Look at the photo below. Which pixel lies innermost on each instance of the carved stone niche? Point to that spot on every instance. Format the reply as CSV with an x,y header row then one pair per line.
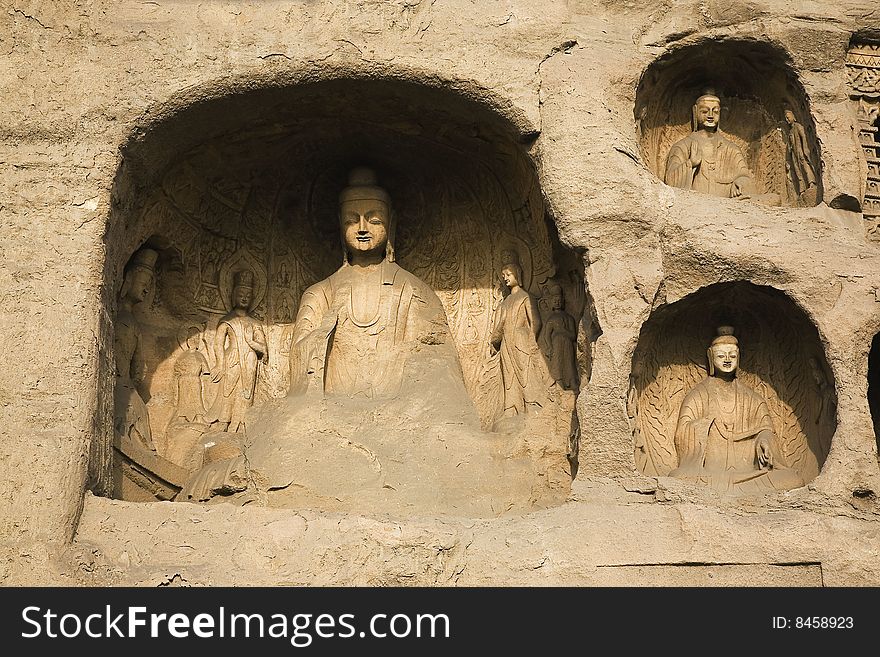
x,y
780,358
768,133
245,191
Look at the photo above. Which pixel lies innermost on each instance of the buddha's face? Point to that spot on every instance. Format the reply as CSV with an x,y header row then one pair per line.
x,y
789,117
241,296
556,300
364,224
508,275
139,285
725,358
708,111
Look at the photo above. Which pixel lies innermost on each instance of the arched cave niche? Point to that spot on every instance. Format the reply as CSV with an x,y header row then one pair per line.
x,y
756,83
781,357
251,179
874,386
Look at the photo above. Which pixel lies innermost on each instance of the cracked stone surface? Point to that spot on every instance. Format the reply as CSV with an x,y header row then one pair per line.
x,y
81,80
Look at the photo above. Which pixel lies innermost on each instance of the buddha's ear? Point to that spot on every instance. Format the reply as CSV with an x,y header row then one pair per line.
x,y
389,245
711,364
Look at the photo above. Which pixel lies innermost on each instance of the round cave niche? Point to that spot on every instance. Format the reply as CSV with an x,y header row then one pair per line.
x,y
757,86
781,358
251,182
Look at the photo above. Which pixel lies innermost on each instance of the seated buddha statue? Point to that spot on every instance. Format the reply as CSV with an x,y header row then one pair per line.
x,y
724,437
356,330
377,417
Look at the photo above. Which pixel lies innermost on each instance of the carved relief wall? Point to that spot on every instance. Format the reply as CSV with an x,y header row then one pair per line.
x,y
756,85
781,358
863,68
263,198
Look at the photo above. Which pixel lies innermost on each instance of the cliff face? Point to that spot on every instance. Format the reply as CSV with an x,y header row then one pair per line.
x,y
572,105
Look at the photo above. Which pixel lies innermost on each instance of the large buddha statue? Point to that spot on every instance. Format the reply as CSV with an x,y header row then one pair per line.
x,y
724,436
706,161
356,331
377,418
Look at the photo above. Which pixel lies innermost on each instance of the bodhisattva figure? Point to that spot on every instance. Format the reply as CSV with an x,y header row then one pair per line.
x,y
189,369
187,422
517,326
239,346
705,161
131,420
355,330
724,437
802,175
557,339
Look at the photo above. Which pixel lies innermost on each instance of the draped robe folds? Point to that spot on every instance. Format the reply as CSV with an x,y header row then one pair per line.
x,y
130,417
523,370
717,446
557,341
722,164
236,392
802,169
356,330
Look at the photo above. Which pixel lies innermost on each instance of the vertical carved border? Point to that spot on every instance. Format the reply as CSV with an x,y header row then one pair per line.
x,y
863,71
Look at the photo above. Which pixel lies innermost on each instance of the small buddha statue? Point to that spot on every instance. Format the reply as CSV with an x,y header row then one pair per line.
x,y
705,161
724,437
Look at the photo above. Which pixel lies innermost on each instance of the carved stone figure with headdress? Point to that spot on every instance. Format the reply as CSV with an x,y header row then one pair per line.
x,y
239,346
131,420
724,437
800,166
514,337
557,338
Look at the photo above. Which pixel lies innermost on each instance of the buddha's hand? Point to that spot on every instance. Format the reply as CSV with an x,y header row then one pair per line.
x,y
695,154
218,374
739,187
763,453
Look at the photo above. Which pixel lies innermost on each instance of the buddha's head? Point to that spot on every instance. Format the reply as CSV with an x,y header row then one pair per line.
x,y
243,289
512,274
365,219
723,353
789,117
707,112
139,275
555,296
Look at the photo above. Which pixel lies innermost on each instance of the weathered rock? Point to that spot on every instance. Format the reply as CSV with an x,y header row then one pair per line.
x,y
122,121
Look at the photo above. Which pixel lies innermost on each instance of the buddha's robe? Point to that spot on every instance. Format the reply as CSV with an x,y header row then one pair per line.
x,y
523,370
356,331
719,426
722,163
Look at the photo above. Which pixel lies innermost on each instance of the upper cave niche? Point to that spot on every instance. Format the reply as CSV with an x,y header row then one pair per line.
x,y
763,143
251,183
780,358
